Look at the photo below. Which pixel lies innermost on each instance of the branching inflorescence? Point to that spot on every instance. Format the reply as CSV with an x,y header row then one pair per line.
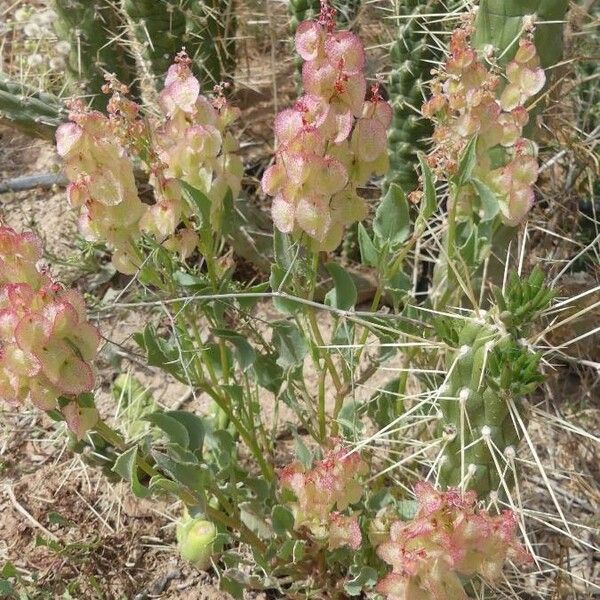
x,y
448,541
324,492
331,141
470,99
47,346
190,143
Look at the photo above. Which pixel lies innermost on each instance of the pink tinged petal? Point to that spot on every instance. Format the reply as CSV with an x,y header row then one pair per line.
x,y
283,214
273,179
315,110
309,40
68,136
526,51
42,394
520,116
86,339
80,419
64,369
8,321
354,94
288,124
532,81
331,175
179,94
329,243
75,299
345,52
513,72
344,531
205,113
124,262
524,170
312,215
20,363
319,79
62,317
32,332
369,139
394,586
299,167
379,110
342,124
511,97
519,204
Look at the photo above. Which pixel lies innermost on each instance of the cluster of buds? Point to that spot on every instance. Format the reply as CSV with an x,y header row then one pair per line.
x,y
468,99
324,492
331,141
47,345
190,142
447,540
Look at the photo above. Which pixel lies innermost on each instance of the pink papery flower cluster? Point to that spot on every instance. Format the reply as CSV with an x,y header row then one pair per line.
x,y
448,541
190,141
323,492
47,346
331,141
469,99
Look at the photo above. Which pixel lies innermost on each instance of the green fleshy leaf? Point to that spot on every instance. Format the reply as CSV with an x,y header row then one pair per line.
x,y
244,352
489,200
392,219
368,252
290,344
126,467
429,202
466,163
282,519
344,294
198,202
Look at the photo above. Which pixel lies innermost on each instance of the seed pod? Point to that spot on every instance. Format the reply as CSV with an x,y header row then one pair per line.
x,y
195,540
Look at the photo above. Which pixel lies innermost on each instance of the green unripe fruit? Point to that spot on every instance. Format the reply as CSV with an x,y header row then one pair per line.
x,y
195,540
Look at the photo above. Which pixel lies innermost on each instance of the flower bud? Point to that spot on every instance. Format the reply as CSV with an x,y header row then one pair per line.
x,y
195,540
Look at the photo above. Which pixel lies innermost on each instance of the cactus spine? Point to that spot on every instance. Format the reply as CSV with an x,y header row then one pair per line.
x,y
489,373
89,27
31,111
205,27
410,56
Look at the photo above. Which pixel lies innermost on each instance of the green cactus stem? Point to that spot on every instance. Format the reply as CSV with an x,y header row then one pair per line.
x,y
31,111
92,30
206,28
411,56
500,22
489,374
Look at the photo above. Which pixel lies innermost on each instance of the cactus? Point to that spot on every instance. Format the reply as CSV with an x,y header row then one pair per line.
x,y
89,27
206,28
488,369
34,112
210,29
500,22
410,55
